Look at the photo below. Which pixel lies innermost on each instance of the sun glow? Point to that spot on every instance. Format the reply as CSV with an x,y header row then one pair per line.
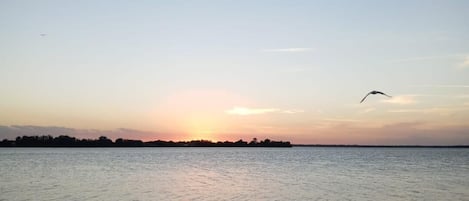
x,y
202,128
196,114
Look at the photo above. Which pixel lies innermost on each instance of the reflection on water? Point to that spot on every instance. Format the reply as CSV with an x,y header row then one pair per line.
x,y
234,174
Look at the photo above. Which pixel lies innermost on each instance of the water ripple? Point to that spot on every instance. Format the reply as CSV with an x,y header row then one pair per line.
x,y
234,174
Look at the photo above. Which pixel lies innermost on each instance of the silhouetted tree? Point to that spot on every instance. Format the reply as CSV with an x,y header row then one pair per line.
x,y
104,141
253,141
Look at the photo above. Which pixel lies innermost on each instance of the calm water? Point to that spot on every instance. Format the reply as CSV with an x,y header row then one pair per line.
x,y
234,174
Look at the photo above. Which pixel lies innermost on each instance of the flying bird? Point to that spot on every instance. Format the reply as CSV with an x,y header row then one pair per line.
x,y
43,34
373,93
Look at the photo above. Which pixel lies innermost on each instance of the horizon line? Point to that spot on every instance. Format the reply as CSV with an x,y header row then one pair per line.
x,y
255,140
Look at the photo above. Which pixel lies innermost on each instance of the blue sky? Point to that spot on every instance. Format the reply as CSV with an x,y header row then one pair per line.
x,y
296,68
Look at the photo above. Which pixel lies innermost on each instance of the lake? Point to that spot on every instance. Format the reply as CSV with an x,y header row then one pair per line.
x,y
298,173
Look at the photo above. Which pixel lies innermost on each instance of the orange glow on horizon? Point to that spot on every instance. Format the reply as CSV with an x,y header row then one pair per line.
x,y
202,127
195,114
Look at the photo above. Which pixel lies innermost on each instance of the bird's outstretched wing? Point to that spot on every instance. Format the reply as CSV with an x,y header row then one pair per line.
x,y
365,97
379,92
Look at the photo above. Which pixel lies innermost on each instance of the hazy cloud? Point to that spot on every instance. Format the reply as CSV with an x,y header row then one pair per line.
x,y
421,134
398,133
401,100
287,50
11,132
367,110
254,111
465,63
453,57
291,111
433,110
463,96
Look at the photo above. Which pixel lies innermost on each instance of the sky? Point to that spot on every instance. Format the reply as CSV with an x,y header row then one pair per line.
x,y
229,70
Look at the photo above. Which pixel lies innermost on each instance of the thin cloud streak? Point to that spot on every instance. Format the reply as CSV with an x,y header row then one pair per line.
x,y
427,58
340,120
243,111
442,86
250,111
287,50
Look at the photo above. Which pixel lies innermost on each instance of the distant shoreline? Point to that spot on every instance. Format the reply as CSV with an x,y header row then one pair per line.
x,y
103,141
64,141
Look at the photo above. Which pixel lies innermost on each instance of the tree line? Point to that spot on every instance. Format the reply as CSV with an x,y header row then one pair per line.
x,y
103,141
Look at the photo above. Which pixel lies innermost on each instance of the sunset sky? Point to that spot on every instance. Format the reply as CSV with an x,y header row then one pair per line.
x,y
225,70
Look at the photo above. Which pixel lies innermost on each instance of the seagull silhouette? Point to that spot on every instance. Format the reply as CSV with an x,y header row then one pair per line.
x,y
373,93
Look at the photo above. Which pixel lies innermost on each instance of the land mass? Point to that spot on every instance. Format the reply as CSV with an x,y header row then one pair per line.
x,y
67,141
